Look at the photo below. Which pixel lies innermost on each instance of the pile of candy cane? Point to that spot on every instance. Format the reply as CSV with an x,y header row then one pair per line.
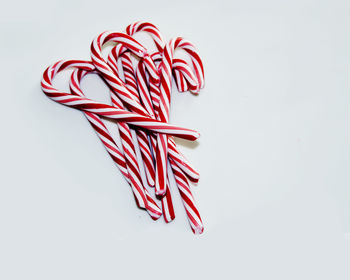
x,y
140,97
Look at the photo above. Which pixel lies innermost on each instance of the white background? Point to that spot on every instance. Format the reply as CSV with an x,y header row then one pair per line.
x,y
273,154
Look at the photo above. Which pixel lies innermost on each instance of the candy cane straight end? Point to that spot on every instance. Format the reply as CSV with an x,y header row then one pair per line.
x,y
150,181
198,229
169,217
154,213
160,193
191,136
196,135
156,217
169,221
195,181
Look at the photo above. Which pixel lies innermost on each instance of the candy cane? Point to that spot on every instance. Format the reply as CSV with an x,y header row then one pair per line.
x,y
129,99
131,84
112,79
119,52
193,215
149,28
183,75
151,97
115,53
181,182
166,68
176,155
161,160
165,199
165,91
128,160
117,85
104,110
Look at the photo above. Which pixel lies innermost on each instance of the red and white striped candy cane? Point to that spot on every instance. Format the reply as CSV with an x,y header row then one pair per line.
x,y
157,38
104,110
183,74
176,155
53,93
128,161
181,182
192,212
112,79
166,69
131,84
165,87
195,58
165,90
119,52
150,97
167,206
115,53
161,158
149,28
184,77
129,99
